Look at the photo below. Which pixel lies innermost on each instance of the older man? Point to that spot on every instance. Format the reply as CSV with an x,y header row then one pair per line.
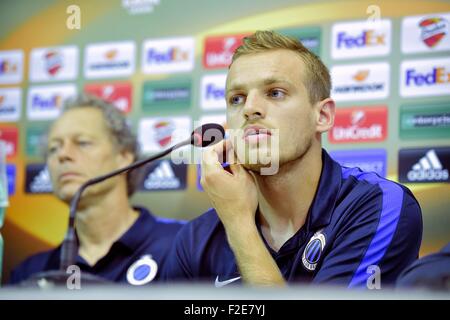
x,y
117,242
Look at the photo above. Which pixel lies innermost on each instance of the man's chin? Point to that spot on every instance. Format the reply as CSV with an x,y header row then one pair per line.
x,y
66,194
67,198
256,167
256,160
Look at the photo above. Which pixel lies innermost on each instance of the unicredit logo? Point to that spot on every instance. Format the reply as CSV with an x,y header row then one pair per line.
x,y
219,51
9,136
10,148
356,133
118,94
428,168
224,57
359,125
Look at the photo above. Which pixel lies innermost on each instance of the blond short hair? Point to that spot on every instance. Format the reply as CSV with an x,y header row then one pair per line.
x,y
317,79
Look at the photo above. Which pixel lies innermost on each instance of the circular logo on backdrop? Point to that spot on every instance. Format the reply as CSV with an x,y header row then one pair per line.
x,y
142,271
313,251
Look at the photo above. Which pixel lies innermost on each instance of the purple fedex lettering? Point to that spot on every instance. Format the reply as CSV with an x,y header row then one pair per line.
x,y
160,57
349,41
45,103
420,79
214,93
365,39
436,76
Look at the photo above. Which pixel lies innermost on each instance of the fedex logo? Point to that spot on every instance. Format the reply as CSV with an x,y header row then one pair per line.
x,y
361,39
171,55
359,125
168,55
45,102
7,67
213,91
425,77
219,51
435,76
11,66
9,136
366,38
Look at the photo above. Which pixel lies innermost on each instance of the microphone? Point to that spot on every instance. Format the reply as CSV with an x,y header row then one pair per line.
x,y
207,134
203,136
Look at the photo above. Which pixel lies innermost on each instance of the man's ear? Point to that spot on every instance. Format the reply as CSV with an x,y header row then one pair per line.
x,y
325,115
125,158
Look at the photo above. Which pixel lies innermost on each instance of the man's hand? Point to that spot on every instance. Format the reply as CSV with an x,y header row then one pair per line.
x,y
233,195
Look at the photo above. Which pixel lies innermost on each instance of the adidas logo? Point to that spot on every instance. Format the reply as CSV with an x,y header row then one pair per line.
x,y
429,168
41,182
162,177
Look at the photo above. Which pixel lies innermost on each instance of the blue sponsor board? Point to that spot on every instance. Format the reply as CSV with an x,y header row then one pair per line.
x,y
369,160
164,175
11,176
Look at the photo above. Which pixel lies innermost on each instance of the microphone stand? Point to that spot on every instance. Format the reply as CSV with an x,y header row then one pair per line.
x,y
69,247
203,136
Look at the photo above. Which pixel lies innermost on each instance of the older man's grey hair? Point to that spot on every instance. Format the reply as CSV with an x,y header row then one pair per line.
x,y
121,134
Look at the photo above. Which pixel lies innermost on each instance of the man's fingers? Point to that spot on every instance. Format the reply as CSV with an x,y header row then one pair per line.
x,y
210,158
235,168
222,149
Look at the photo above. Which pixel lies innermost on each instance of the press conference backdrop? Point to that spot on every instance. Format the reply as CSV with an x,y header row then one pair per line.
x,y
164,62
